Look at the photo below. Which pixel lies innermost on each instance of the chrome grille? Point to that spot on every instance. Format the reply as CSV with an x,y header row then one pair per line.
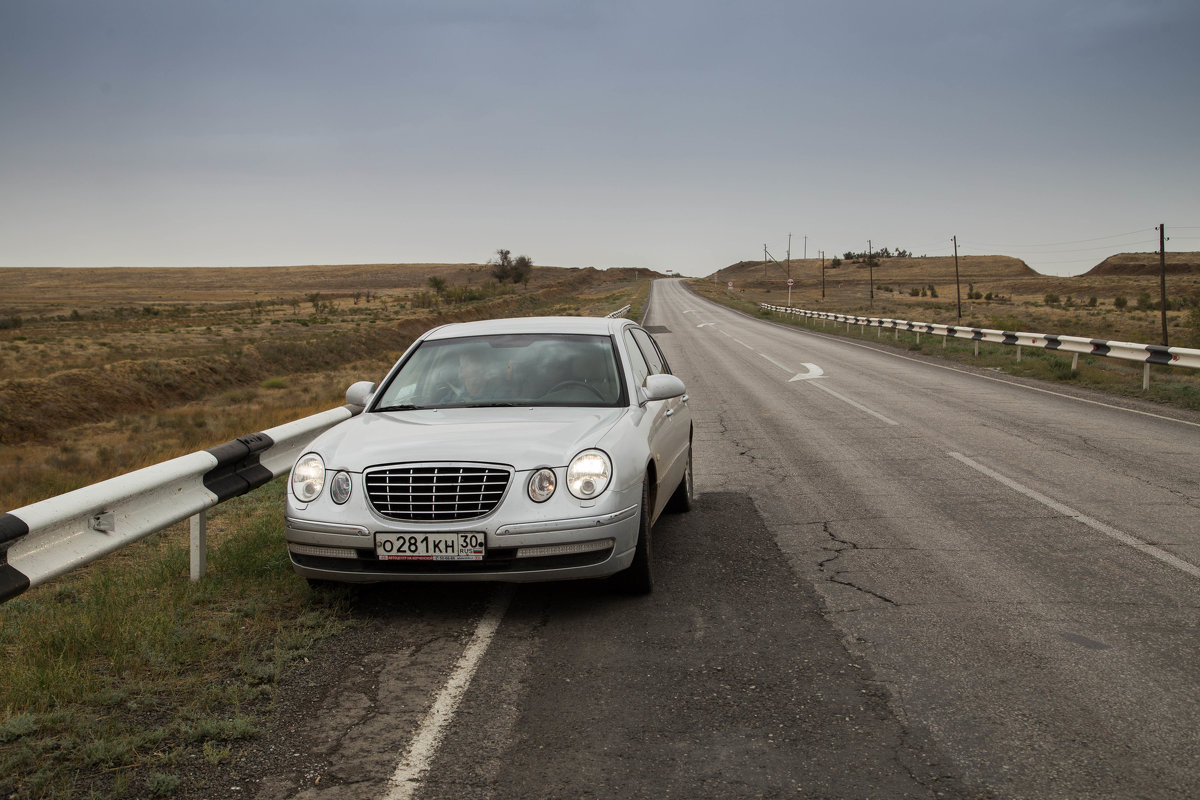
x,y
436,492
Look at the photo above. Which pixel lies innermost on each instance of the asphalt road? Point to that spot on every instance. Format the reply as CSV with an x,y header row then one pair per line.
x,y
900,580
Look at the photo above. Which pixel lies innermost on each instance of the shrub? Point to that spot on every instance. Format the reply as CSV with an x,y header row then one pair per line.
x,y
1120,302
1051,299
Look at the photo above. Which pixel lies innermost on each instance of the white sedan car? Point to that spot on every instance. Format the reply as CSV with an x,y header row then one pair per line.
x,y
519,450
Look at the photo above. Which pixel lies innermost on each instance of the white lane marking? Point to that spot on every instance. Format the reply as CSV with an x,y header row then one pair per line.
x,y
412,768
857,405
706,324
776,363
1095,524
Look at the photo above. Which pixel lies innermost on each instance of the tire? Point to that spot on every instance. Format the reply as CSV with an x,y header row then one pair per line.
x,y
639,577
681,499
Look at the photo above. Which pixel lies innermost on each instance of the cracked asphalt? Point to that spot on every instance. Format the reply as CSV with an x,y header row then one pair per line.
x,y
1026,642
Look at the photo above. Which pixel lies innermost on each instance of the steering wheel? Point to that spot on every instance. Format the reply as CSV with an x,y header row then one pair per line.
x,y
568,384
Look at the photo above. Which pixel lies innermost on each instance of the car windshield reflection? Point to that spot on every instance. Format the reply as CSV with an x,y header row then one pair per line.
x,y
510,370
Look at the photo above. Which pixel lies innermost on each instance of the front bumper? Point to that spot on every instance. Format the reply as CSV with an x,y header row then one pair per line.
x,y
551,550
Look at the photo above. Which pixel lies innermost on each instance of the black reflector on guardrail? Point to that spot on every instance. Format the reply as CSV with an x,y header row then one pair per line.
x,y
12,581
238,470
11,529
1158,354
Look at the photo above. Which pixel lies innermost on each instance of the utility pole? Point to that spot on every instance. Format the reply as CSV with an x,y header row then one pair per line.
x,y
957,285
806,247
822,274
789,259
1162,264
871,272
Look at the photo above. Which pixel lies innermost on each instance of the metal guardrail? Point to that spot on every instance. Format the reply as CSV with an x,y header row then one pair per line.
x,y
620,312
46,539
1146,354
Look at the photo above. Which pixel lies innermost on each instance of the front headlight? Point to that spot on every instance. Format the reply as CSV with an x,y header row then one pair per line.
x,y
588,474
308,477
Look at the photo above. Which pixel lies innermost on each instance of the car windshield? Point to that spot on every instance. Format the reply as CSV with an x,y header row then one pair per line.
x,y
508,370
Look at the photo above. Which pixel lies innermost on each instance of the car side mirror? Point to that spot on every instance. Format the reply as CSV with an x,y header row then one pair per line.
x,y
663,387
359,394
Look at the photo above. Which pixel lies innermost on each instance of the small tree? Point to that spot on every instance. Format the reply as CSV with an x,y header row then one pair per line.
x,y
1120,303
522,269
437,283
502,266
506,268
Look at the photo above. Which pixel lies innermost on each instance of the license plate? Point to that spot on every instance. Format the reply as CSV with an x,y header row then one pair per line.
x,y
429,546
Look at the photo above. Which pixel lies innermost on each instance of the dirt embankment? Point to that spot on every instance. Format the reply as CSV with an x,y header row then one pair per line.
x,y
1126,264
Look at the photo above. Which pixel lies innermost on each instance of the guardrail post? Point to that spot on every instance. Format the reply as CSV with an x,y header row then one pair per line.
x,y
1146,376
199,545
1018,354
1075,362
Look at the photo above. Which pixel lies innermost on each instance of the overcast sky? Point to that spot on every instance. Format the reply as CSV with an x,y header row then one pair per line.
x,y
659,133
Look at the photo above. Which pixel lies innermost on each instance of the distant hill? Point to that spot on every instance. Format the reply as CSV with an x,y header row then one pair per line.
x,y
928,268
1147,264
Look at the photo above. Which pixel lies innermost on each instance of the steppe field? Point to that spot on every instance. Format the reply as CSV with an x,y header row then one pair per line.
x,y
106,370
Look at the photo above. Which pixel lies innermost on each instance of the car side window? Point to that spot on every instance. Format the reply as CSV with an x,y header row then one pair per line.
x,y
637,361
654,357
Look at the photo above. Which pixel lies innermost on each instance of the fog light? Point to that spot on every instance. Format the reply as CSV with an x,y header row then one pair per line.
x,y
542,485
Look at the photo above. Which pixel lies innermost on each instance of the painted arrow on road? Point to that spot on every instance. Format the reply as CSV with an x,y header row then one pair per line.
x,y
813,370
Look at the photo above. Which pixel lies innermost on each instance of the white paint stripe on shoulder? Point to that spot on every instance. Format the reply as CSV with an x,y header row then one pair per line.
x,y
1124,538
406,780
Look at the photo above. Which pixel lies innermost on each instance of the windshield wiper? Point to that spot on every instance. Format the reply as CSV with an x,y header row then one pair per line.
x,y
491,405
400,408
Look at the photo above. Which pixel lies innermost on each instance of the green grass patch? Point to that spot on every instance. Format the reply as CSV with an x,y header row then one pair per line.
x,y
116,674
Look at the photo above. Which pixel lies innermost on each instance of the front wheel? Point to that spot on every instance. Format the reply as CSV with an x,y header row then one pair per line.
x,y
681,499
639,577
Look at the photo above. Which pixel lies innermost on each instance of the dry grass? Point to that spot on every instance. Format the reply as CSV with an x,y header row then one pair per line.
x,y
110,370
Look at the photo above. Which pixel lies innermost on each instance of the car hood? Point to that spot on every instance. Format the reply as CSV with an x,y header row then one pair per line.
x,y
524,438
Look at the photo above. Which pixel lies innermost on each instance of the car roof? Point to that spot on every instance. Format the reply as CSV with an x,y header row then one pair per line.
x,y
603,326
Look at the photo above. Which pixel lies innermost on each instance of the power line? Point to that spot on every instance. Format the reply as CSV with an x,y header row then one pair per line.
x,y
1138,232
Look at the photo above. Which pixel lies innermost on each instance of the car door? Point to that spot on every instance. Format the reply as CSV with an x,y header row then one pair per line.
x,y
670,433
